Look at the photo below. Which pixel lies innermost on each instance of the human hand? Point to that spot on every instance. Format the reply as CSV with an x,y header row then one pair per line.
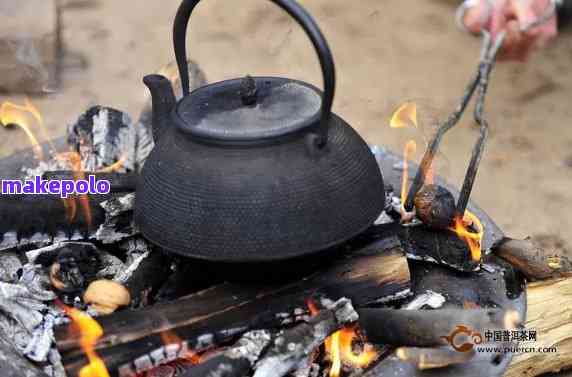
x,y
516,17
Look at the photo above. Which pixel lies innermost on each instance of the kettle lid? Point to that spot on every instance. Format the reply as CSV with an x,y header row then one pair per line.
x,y
250,109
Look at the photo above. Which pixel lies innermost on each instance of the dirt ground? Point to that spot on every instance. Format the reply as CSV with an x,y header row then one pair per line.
x,y
387,52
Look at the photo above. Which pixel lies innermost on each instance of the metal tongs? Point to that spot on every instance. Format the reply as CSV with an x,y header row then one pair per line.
x,y
479,84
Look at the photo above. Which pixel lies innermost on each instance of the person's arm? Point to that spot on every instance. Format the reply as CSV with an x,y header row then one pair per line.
x,y
514,17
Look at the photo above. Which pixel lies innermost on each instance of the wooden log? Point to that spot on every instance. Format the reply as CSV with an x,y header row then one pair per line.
x,y
427,328
29,43
208,318
550,314
531,260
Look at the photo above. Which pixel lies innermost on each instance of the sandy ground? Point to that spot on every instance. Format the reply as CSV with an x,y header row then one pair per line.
x,y
387,52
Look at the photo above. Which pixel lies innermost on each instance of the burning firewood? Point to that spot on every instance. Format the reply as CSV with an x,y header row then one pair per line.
x,y
211,317
237,361
532,261
293,348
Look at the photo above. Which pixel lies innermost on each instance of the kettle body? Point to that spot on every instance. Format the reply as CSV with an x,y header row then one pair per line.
x,y
254,169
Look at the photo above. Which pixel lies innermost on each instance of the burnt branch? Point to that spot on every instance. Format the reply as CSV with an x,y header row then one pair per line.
x,y
532,261
428,328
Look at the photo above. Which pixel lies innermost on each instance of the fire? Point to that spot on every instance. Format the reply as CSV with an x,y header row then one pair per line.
x,y
408,151
169,337
472,238
23,116
116,166
405,115
73,160
339,347
90,332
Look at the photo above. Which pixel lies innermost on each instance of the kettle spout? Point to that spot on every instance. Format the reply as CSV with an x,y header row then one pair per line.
x,y
163,99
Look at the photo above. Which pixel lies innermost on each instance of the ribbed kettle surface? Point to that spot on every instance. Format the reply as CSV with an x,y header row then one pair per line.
x,y
258,203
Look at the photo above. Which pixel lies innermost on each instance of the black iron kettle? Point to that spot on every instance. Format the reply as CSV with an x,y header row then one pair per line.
x,y
254,169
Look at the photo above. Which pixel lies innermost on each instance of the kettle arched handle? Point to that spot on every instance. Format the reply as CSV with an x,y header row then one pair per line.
x,y
304,19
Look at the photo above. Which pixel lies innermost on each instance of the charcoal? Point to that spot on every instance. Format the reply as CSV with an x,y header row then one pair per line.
x,y
104,136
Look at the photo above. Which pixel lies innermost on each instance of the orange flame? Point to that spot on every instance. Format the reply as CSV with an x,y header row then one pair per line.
x,y
116,166
473,239
405,115
339,347
90,332
73,160
408,151
19,115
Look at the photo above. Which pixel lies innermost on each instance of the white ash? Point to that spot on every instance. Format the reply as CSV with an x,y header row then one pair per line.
x,y
343,309
312,370
112,266
126,273
27,317
397,296
291,350
111,231
488,267
50,164
9,266
118,205
250,346
383,218
430,298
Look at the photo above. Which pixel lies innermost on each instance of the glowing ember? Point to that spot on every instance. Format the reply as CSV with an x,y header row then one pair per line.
x,y
339,347
405,115
116,166
89,333
472,238
169,337
408,151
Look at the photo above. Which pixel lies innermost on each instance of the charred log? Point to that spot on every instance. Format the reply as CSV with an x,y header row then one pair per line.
x,y
438,246
427,328
532,261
